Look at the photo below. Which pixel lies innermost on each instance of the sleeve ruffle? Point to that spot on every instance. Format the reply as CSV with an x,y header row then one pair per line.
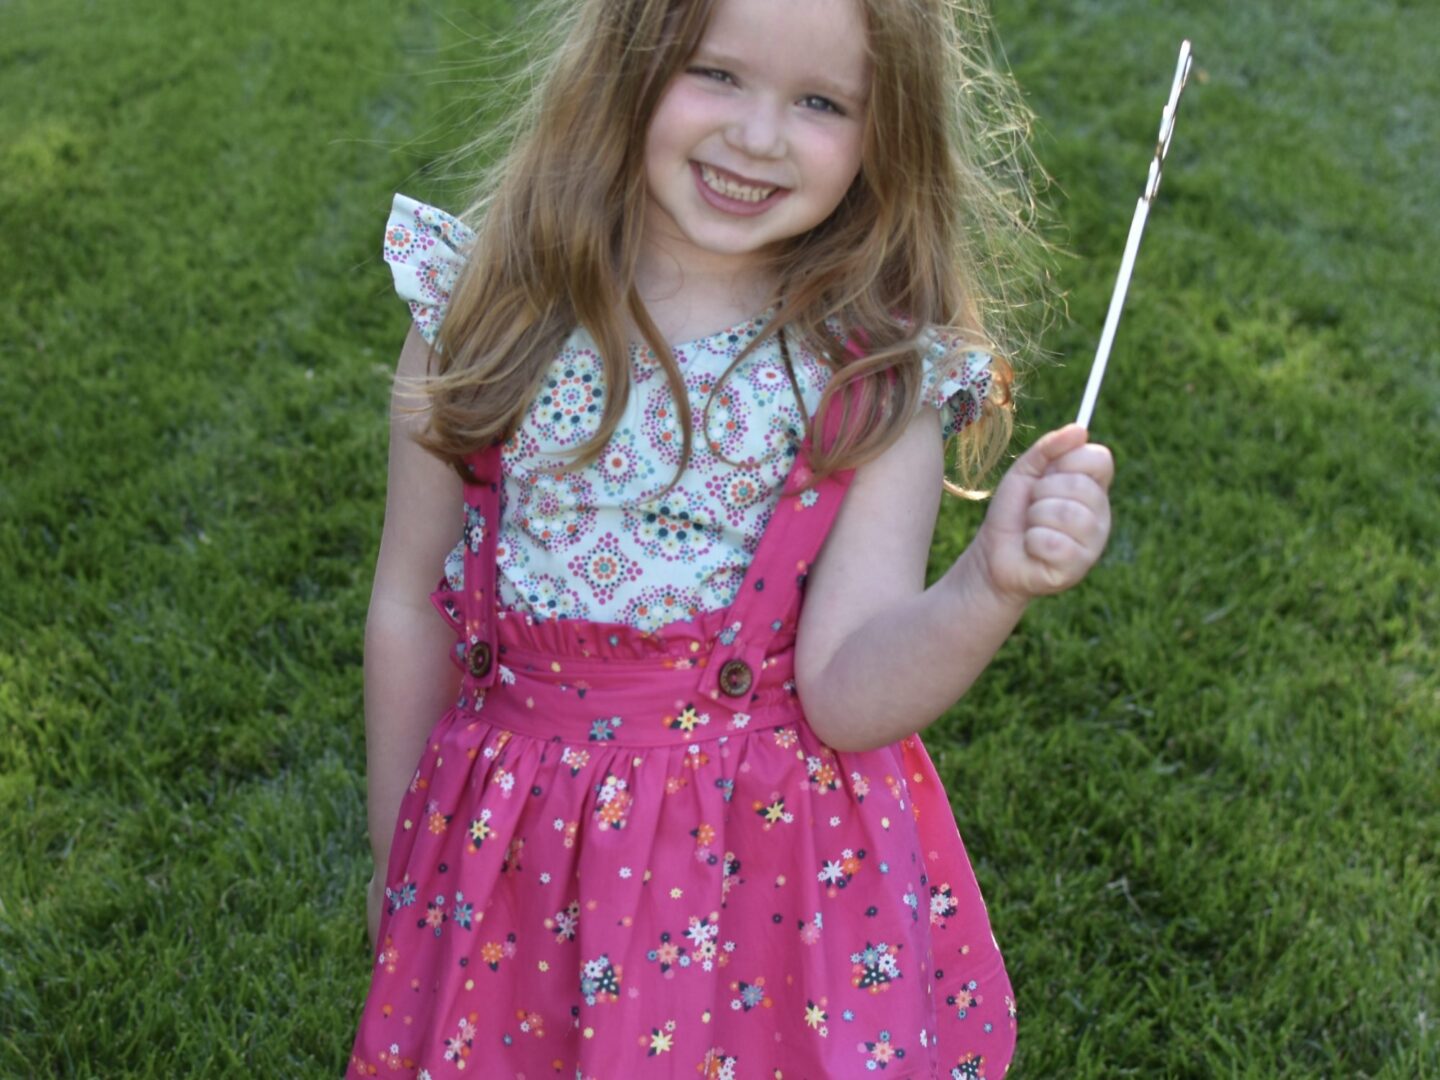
x,y
426,248
956,381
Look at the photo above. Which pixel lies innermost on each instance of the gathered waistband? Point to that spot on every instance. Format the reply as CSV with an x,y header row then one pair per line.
x,y
616,693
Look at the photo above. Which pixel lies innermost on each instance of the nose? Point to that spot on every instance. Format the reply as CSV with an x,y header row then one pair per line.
x,y
758,130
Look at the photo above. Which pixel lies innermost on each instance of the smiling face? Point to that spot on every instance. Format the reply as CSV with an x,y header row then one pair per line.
x,y
759,137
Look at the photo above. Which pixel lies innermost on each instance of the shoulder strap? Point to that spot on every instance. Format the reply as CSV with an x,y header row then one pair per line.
x,y
771,593
477,604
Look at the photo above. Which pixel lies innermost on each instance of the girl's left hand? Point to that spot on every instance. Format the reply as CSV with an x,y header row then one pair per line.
x,y
1050,517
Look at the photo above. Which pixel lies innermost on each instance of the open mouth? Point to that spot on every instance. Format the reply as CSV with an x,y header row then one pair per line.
x,y
727,185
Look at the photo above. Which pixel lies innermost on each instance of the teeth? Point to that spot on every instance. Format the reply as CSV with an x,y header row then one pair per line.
x,y
724,186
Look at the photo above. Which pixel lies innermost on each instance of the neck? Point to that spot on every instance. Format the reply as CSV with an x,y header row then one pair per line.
x,y
689,292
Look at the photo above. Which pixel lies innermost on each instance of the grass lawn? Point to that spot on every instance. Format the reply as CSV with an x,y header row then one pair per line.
x,y
1201,790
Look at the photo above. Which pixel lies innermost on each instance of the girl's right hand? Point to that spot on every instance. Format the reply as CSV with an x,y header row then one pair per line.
x,y
1050,517
374,897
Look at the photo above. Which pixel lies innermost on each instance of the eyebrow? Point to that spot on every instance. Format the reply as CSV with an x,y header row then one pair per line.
x,y
820,82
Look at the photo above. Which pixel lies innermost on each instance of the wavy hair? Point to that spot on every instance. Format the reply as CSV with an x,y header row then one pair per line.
x,y
939,237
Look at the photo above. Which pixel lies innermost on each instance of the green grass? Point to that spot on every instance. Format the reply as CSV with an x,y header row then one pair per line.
x,y
1201,790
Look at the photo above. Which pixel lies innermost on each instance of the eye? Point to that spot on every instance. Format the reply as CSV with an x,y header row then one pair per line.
x,y
712,73
821,104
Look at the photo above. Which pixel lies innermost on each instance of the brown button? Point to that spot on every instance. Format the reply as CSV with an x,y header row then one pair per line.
x,y
478,659
736,677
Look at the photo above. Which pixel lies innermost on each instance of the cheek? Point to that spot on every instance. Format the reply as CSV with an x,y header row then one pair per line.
x,y
660,137
837,161
679,122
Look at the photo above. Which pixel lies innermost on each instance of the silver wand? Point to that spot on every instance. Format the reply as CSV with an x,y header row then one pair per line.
x,y
1132,245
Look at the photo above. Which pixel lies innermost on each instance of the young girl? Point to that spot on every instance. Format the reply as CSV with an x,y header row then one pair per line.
x,y
724,303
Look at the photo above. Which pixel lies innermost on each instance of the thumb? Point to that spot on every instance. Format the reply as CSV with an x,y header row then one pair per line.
x,y
1048,448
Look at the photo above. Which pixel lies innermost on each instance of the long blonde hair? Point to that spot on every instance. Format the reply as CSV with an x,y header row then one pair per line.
x,y
938,234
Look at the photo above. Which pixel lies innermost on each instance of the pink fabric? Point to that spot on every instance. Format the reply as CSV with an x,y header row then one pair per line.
x,y
607,866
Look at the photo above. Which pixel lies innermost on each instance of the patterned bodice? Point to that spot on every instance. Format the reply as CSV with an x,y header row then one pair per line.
x,y
602,543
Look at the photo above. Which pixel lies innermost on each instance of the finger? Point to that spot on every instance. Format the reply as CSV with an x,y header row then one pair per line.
x,y
1070,485
1065,556
1081,523
1092,459
1049,448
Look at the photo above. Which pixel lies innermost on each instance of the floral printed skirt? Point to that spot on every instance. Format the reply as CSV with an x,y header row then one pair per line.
x,y
600,871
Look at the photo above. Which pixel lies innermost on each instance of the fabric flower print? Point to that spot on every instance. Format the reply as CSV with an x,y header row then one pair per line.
x,y
531,1023
556,510
704,931
860,785
435,821
736,491
462,914
675,527
717,1065
614,803
943,904
751,995
657,605
504,779
660,425
882,1052
704,835
401,896
773,812
964,999
765,378
623,468
661,1042
458,1046
434,916
401,241
602,728
548,597
822,771
838,873
605,568
669,954
875,967
816,1018
969,1067
687,719
728,416
492,952
912,901
479,831
568,407
600,981
564,924
474,529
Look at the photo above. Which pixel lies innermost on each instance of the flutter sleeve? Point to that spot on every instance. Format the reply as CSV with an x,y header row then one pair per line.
x,y
425,247
956,380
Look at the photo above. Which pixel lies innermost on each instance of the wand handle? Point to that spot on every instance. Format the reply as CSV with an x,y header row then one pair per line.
x,y
1137,228
1112,318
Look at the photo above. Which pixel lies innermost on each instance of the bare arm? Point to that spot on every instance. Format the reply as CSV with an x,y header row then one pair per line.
x,y
878,655
409,680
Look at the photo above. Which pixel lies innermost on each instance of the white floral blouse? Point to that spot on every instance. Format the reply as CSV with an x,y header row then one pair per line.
x,y
601,543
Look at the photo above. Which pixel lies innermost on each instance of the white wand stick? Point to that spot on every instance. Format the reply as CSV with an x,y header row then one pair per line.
x,y
1132,244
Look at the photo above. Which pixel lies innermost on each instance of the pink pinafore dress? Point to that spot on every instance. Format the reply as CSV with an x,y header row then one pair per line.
x,y
625,855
